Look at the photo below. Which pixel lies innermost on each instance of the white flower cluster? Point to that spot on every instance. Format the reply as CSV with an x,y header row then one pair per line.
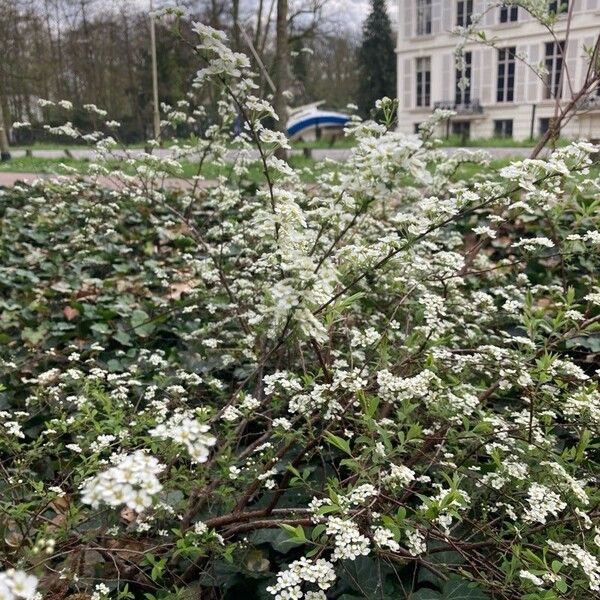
x,y
67,130
348,541
415,542
384,538
396,389
532,244
363,339
542,502
540,581
224,62
575,556
184,429
583,405
17,584
132,481
575,486
289,582
398,475
359,495
101,592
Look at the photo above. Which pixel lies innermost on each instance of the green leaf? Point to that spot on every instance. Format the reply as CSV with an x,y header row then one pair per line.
x,y
317,531
123,338
561,586
297,535
338,442
141,323
425,594
100,328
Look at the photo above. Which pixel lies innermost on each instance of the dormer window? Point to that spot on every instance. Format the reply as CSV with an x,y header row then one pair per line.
x,y
509,14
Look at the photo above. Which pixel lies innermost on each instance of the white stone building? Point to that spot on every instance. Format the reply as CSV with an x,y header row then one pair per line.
x,y
505,97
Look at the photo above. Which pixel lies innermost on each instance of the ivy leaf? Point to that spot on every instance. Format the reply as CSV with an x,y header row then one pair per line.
x,y
141,323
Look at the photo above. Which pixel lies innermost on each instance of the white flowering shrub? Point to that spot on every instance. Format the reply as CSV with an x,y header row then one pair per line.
x,y
380,383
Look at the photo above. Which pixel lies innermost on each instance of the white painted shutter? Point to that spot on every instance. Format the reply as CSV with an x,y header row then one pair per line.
x,y
491,15
447,70
521,75
447,16
572,67
487,78
408,18
436,16
408,83
583,57
524,15
475,81
534,84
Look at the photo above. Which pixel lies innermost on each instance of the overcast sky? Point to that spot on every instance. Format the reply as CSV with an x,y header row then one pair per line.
x,y
355,11
348,12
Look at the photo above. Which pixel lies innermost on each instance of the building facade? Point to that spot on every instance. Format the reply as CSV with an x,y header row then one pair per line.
x,y
504,97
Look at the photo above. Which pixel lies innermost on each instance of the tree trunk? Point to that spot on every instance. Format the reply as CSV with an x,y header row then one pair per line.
x,y
235,17
281,68
136,112
4,147
259,16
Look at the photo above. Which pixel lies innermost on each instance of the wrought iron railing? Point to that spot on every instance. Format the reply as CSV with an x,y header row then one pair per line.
x,y
464,108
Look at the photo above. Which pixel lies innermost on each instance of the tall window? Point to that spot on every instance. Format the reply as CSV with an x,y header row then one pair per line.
x,y
506,75
509,14
464,12
423,81
423,17
561,6
462,93
554,60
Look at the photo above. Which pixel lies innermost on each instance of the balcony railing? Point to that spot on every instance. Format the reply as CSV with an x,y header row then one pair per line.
x,y
466,108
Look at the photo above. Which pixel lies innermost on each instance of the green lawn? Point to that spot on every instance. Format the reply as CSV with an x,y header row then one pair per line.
x,y
319,144
39,165
24,164
496,142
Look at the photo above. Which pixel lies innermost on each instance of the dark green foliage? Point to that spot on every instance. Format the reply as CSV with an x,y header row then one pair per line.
x,y
377,59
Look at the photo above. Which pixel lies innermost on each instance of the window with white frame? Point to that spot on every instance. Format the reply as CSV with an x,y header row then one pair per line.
x,y
462,93
423,81
505,90
554,62
503,128
464,12
423,17
509,14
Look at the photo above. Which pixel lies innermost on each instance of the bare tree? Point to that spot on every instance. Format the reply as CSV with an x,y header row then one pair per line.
x,y
235,18
563,113
4,147
281,64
